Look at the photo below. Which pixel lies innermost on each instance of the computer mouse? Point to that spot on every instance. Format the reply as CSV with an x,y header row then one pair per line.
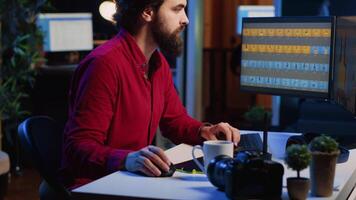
x,y
170,172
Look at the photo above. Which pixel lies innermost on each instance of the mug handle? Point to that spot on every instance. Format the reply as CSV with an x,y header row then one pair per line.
x,y
200,165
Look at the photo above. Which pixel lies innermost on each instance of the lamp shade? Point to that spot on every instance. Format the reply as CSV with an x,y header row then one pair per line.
x,y
107,10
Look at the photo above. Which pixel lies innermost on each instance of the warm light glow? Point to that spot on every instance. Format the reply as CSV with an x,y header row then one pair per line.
x,y
107,10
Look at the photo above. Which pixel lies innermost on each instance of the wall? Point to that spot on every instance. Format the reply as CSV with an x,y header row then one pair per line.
x,y
219,35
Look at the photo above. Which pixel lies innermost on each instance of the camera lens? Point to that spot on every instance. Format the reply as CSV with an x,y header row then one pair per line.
x,y
216,170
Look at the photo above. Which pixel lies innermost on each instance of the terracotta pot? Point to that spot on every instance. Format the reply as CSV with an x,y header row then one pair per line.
x,y
322,173
298,188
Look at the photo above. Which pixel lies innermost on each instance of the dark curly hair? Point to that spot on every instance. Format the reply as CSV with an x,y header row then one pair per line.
x,y
128,12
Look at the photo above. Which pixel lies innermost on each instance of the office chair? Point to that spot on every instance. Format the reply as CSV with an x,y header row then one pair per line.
x,y
41,137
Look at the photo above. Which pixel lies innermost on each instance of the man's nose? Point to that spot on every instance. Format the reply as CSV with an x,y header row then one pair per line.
x,y
185,20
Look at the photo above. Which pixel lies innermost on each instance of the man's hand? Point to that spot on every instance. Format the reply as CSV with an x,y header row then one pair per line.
x,y
220,131
149,160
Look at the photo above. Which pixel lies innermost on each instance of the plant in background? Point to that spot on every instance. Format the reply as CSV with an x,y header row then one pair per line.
x,y
256,113
258,116
21,40
20,49
298,157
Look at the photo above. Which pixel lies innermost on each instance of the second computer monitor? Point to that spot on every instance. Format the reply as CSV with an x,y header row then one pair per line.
x,y
287,56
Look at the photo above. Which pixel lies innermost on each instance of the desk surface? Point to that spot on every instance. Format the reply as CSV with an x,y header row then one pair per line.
x,y
195,186
126,184
58,69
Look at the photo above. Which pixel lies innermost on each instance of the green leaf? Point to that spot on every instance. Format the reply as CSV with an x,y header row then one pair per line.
x,y
19,51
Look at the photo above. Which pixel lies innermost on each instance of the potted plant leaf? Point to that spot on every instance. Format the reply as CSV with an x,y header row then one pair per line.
x,y
298,158
325,151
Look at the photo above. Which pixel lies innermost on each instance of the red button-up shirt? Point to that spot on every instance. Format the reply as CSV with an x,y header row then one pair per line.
x,y
115,109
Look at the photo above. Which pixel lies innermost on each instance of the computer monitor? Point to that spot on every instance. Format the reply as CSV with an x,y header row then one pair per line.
x,y
66,31
252,11
287,56
68,37
344,90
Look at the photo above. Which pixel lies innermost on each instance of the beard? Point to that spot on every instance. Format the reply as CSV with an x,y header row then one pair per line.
x,y
170,43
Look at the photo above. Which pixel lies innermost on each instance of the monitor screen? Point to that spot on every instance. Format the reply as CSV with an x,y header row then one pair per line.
x,y
287,56
252,11
66,31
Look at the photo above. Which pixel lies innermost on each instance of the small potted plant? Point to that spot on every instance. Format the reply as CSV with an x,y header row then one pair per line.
x,y
258,116
298,158
325,151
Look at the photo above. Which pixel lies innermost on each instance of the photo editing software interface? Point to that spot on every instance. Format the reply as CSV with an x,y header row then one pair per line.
x,y
286,56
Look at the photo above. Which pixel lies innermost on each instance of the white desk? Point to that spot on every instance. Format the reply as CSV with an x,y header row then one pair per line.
x,y
125,185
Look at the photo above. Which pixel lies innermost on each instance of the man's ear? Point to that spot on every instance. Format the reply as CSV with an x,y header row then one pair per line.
x,y
147,15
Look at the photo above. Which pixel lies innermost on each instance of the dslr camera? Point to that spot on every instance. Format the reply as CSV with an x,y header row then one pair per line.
x,y
247,176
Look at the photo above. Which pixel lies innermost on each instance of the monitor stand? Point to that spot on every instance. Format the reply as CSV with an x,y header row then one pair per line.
x,y
265,154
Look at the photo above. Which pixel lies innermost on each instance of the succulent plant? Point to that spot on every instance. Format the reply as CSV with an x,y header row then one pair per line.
x,y
297,157
324,144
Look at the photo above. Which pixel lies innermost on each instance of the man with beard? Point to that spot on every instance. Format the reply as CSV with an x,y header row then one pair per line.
x,y
123,90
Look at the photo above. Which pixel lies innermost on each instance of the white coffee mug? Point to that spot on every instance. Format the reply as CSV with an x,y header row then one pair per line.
x,y
211,149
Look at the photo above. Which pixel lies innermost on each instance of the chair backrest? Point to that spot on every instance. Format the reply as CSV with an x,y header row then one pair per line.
x,y
42,139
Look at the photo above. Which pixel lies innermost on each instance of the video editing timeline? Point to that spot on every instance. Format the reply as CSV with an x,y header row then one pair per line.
x,y
286,55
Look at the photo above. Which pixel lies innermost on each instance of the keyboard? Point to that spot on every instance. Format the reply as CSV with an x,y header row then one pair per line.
x,y
250,142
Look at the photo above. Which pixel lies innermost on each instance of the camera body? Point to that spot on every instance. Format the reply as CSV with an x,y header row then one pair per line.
x,y
246,176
